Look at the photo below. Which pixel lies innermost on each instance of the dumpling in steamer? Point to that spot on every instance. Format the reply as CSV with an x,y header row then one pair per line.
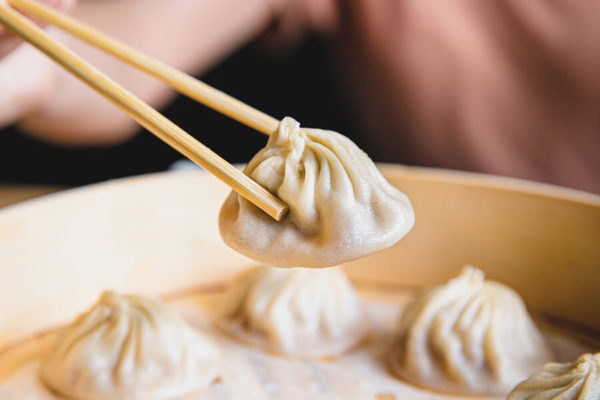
x,y
569,381
341,207
130,348
469,336
299,312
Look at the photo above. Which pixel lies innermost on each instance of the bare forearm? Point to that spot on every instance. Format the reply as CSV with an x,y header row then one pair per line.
x,y
190,35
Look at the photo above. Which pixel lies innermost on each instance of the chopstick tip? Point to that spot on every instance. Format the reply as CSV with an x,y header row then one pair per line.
x,y
282,213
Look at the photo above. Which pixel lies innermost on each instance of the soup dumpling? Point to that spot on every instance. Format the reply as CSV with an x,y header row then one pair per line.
x,y
130,348
298,312
340,206
563,381
469,336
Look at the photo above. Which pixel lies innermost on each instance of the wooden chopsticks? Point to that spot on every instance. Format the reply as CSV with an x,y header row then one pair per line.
x,y
145,115
178,80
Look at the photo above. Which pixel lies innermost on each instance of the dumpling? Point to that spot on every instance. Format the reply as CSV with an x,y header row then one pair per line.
x,y
570,381
299,312
341,207
469,336
130,348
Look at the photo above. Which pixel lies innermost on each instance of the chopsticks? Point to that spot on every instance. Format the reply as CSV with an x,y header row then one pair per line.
x,y
145,115
178,80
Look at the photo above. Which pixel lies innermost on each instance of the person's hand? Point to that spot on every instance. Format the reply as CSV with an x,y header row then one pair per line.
x,y
25,74
9,42
70,113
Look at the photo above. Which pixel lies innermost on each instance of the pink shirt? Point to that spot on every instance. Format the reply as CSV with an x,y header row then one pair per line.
x,y
509,87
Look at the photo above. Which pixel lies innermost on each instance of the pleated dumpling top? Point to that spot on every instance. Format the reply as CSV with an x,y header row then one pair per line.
x,y
468,336
340,206
579,380
130,348
298,312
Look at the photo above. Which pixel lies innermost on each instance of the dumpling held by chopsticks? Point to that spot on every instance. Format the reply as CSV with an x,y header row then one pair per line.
x,y
341,207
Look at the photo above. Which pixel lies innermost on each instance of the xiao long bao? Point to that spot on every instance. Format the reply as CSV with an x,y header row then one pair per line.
x,y
341,207
130,348
469,336
300,312
569,381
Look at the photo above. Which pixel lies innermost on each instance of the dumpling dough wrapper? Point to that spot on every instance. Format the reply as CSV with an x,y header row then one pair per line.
x,y
300,312
130,348
340,206
468,336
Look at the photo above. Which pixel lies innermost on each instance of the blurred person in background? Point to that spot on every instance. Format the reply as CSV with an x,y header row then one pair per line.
x,y
507,87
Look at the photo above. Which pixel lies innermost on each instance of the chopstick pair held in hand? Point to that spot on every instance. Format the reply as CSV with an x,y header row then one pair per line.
x,y
145,115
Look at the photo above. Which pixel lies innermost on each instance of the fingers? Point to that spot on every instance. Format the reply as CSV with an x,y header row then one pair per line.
x,y
23,91
63,5
22,84
8,42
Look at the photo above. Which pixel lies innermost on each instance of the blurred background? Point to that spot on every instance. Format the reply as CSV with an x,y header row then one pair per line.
x,y
252,74
506,87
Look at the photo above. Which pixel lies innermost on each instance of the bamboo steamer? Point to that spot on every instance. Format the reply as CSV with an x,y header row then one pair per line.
x,y
158,234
